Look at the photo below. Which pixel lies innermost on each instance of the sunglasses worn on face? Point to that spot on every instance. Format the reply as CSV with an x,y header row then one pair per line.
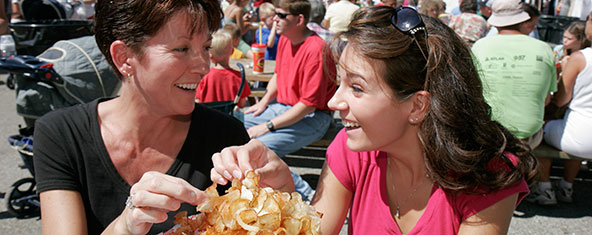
x,y
282,15
408,21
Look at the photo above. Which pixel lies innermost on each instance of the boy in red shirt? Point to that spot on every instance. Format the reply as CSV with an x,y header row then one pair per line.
x,y
222,82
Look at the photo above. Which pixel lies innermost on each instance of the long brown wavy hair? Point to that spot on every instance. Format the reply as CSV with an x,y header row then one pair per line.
x,y
459,138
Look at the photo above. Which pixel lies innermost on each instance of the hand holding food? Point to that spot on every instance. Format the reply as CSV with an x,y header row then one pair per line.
x,y
153,196
233,161
249,209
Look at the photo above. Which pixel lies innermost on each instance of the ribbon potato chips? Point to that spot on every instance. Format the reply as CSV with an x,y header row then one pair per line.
x,y
248,209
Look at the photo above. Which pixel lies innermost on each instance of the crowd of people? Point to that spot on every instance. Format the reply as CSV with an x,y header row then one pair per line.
x,y
439,116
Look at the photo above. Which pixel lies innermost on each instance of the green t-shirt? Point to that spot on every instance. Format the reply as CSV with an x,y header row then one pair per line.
x,y
517,73
243,47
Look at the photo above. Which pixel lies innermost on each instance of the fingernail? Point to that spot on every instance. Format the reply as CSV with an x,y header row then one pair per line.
x,y
227,174
236,174
193,195
221,181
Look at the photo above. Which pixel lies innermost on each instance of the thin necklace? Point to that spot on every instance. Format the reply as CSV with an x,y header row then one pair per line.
x,y
390,174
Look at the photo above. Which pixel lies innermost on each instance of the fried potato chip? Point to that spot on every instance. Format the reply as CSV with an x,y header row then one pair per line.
x,y
248,209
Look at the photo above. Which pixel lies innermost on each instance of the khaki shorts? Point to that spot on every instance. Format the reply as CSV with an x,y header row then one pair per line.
x,y
534,140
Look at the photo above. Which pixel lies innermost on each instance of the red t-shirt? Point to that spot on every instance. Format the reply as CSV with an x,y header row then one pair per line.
x,y
220,85
305,72
259,2
363,173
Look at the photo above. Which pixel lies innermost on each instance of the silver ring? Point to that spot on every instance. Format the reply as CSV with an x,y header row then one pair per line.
x,y
129,203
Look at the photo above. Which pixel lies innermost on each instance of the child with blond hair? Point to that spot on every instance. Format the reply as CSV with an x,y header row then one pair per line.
x,y
241,48
267,34
222,82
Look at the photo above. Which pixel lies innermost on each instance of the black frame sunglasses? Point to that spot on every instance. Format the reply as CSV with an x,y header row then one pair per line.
x,y
282,15
408,21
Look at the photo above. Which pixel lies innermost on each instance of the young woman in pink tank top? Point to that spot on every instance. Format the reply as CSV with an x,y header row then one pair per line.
x,y
419,153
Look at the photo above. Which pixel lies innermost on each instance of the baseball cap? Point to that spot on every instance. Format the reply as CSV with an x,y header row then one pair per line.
x,y
506,13
485,3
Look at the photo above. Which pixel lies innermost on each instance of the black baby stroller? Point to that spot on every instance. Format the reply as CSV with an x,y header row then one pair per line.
x,y
69,69
46,22
70,72
230,107
22,199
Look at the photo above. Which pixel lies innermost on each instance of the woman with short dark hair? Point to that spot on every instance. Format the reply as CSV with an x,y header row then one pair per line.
x,y
127,165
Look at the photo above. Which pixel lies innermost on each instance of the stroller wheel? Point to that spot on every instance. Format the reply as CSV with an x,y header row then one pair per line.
x,y
19,198
10,81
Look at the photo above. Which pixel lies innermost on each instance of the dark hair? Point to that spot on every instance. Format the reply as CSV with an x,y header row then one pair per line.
x,y
296,7
531,10
578,29
459,138
135,21
317,11
468,6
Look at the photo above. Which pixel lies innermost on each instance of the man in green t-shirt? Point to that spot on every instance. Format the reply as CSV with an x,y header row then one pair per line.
x,y
517,71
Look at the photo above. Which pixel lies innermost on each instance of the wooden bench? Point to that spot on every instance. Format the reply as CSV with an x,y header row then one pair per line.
x,y
334,128
545,150
256,93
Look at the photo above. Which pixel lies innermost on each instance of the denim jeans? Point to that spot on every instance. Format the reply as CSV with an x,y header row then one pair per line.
x,y
289,139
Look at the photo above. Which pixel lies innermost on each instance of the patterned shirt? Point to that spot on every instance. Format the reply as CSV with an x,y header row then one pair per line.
x,y
325,34
470,27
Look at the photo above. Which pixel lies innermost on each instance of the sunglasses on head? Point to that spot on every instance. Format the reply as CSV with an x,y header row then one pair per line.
x,y
282,15
408,21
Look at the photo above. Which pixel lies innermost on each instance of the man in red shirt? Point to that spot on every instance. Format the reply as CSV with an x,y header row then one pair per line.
x,y
303,83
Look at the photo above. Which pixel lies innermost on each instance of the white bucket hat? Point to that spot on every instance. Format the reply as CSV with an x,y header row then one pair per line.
x,y
507,12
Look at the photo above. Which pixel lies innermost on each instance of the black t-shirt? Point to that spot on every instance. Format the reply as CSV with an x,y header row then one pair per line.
x,y
70,154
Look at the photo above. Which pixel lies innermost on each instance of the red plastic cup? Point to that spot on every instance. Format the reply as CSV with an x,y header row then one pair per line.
x,y
258,57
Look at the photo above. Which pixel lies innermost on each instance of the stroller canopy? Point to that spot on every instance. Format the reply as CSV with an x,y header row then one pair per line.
x,y
85,73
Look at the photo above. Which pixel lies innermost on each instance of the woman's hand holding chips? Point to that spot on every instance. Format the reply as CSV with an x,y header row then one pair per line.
x,y
151,198
234,162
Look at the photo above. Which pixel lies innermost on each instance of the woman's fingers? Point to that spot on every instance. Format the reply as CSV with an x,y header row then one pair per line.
x,y
224,166
234,162
147,215
153,200
253,155
139,220
161,184
217,178
153,196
